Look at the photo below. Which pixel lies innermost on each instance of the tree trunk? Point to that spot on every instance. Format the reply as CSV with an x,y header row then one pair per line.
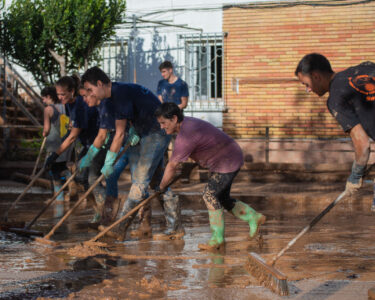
x,y
61,60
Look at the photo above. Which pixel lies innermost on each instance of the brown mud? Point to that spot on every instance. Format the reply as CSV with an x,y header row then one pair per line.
x,y
333,261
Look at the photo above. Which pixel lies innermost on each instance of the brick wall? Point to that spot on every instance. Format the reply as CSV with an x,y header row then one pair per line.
x,y
262,50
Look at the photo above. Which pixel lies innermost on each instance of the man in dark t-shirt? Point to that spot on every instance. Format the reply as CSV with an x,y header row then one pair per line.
x,y
172,88
135,105
351,102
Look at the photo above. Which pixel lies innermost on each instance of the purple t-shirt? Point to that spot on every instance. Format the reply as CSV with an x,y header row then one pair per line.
x,y
210,147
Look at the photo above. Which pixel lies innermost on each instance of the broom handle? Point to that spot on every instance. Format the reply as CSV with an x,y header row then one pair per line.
x,y
5,217
315,220
143,203
38,158
308,227
50,201
97,181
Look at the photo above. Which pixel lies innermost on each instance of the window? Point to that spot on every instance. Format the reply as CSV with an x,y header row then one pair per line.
x,y
204,69
113,59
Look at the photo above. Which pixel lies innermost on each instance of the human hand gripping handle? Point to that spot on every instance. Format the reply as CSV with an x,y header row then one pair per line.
x,y
50,160
354,181
87,159
107,169
133,137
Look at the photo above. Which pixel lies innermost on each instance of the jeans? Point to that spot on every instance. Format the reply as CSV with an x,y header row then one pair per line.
x,y
143,159
94,173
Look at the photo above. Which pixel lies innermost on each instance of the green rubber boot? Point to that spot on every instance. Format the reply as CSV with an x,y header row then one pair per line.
x,y
217,228
246,213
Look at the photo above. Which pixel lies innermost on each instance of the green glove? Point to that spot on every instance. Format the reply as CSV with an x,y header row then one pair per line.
x,y
107,169
133,137
87,159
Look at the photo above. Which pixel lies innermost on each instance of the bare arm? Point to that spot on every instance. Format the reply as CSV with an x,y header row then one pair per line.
x,y
184,102
361,143
119,136
170,171
160,98
100,138
73,135
48,112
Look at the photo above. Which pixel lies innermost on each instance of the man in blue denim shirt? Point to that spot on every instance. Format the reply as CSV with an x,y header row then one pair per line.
x,y
136,104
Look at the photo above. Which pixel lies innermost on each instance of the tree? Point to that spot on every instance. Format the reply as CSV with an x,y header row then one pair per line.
x,y
23,40
45,36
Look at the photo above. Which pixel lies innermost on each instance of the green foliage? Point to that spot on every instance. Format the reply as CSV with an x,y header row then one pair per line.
x,y
34,144
75,29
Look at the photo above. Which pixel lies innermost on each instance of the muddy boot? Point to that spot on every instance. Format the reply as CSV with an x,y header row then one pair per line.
x,y
98,207
119,232
59,203
246,213
172,213
56,187
144,229
216,242
110,210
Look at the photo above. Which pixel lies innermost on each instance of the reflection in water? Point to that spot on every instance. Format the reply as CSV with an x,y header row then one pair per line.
x,y
216,274
342,240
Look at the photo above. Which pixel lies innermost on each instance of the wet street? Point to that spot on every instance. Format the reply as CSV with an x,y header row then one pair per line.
x,y
333,261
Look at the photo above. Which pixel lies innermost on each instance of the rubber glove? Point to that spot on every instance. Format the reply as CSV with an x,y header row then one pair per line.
x,y
50,160
110,158
133,137
87,159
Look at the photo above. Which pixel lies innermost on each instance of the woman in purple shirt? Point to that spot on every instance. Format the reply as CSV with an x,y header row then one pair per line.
x,y
213,149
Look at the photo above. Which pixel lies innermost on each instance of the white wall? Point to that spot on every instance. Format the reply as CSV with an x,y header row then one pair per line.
x,y
154,45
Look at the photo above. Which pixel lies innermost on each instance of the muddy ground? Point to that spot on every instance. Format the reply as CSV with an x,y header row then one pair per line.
x,y
334,261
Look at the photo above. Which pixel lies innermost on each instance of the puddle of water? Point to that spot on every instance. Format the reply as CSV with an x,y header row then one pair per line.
x,y
150,269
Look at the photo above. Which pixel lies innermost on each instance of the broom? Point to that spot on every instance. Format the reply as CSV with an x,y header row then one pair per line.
x,y
265,271
46,238
130,213
27,230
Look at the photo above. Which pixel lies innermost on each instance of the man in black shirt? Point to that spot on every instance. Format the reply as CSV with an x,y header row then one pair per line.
x,y
351,102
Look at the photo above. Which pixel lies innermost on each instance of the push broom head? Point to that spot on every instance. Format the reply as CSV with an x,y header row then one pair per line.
x,y
46,241
267,275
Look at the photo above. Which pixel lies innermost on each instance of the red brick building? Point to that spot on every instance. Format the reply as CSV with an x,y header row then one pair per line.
x,y
265,42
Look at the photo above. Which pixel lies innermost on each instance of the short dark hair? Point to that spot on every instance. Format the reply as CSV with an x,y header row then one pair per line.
x,y
71,83
165,65
169,109
313,62
50,91
94,74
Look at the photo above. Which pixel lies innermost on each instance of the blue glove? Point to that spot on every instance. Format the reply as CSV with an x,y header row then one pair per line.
x,y
87,159
107,169
50,160
133,137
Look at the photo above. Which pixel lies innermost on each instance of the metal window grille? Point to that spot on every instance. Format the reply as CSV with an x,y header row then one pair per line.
x,y
203,69
113,59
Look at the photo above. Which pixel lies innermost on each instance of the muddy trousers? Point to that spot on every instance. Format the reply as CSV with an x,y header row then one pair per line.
x,y
143,160
216,193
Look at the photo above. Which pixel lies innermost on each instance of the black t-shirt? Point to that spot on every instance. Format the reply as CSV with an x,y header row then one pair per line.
x,y
351,97
84,117
136,104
